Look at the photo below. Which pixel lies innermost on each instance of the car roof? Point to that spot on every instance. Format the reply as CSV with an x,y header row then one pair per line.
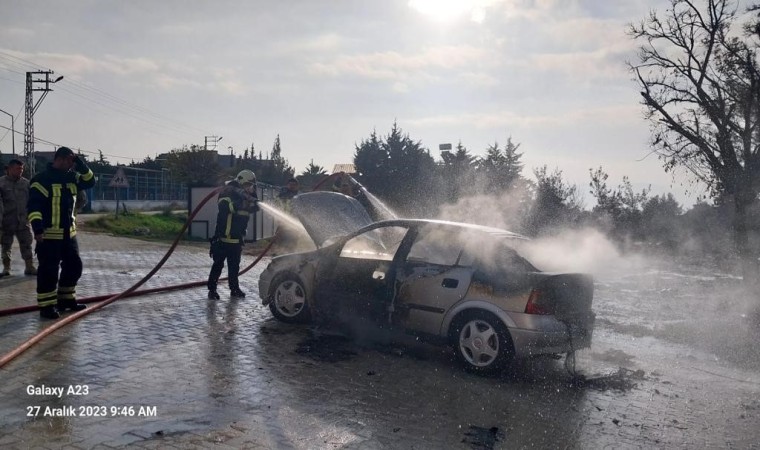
x,y
328,216
461,226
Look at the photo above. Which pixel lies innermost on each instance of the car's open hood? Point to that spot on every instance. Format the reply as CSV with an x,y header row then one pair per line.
x,y
328,215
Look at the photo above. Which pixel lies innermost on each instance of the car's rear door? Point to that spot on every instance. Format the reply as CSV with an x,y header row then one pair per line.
x,y
430,281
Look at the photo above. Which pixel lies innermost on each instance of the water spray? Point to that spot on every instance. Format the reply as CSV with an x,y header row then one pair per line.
x,y
133,290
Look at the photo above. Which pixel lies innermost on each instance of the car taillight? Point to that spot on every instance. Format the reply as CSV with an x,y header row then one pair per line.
x,y
533,307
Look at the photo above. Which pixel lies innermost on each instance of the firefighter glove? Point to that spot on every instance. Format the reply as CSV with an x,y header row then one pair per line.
x,y
214,245
80,165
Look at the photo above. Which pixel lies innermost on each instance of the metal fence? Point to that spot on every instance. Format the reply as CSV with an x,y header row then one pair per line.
x,y
144,184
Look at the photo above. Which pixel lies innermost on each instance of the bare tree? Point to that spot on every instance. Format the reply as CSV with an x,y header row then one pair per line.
x,y
700,84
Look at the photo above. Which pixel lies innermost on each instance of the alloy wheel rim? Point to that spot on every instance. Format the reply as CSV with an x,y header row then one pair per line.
x,y
479,343
289,298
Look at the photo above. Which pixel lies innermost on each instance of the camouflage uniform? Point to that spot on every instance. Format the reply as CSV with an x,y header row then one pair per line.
x,y
14,195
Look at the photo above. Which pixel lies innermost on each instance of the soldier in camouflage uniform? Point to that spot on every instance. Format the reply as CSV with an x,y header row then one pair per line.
x,y
14,193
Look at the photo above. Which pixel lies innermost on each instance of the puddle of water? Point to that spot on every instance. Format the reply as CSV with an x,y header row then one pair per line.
x,y
482,438
622,380
326,348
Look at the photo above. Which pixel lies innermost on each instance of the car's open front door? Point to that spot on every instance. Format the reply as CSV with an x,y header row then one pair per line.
x,y
356,282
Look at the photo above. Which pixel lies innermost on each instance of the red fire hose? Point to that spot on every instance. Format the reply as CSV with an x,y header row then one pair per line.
x,y
132,291
174,287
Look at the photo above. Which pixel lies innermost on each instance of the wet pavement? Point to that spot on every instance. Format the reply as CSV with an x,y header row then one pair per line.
x,y
674,364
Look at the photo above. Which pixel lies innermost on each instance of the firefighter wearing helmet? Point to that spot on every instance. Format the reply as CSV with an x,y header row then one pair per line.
x,y
237,201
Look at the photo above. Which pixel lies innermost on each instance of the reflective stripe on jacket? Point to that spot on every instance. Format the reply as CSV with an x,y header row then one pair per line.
x,y
52,199
233,215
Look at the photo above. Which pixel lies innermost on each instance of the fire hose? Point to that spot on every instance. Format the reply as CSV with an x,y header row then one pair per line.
x,y
133,290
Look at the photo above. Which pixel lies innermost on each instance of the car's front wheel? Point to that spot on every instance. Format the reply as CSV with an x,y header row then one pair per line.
x,y
288,301
482,342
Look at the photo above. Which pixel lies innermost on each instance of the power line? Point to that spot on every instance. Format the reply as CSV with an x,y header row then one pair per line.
x,y
124,105
43,141
76,90
157,128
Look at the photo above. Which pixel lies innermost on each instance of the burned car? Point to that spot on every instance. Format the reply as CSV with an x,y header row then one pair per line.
x,y
454,283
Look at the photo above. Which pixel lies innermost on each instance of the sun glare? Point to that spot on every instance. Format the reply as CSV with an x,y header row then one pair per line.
x,y
443,10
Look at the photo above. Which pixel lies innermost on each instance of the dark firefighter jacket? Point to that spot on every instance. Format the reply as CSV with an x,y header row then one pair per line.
x,y
52,200
235,207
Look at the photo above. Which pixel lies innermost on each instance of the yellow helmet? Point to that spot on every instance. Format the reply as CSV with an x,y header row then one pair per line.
x,y
246,176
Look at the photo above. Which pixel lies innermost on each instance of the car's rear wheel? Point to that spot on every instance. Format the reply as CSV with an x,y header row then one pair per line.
x,y
289,300
482,342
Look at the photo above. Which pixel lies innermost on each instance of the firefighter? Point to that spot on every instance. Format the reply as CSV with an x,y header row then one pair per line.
x,y
236,202
287,193
52,213
14,194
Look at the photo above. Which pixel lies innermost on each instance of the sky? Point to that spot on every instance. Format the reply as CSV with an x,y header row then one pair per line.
x,y
145,77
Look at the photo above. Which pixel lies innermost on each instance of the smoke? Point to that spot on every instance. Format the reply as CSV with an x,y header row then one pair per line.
x,y
564,250
579,250
506,211
685,294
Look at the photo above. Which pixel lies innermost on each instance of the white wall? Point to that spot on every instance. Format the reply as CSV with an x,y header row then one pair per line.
x,y
135,205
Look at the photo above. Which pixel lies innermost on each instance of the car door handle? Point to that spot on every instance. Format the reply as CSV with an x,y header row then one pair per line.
x,y
450,283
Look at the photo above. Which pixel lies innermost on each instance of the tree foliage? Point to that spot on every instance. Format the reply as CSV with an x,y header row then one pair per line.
x,y
194,166
556,203
501,169
274,170
397,169
311,175
458,173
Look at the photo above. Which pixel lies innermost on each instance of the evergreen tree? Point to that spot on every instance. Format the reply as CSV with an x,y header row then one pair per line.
x,y
457,174
311,175
556,203
276,169
398,170
370,160
500,170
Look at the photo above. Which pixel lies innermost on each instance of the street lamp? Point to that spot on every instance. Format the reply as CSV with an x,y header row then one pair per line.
x,y
13,132
214,139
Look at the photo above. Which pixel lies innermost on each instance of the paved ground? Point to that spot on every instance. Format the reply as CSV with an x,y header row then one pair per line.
x,y
175,370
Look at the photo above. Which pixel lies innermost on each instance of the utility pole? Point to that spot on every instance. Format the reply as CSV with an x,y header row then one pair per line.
x,y
31,108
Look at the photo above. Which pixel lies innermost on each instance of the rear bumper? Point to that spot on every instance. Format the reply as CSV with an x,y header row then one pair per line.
x,y
532,343
552,337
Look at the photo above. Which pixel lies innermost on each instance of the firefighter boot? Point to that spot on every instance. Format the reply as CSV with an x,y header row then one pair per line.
x,y
49,312
213,295
63,305
6,268
237,293
30,269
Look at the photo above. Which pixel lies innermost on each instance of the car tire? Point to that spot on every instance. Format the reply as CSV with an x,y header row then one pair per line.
x,y
482,342
289,299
